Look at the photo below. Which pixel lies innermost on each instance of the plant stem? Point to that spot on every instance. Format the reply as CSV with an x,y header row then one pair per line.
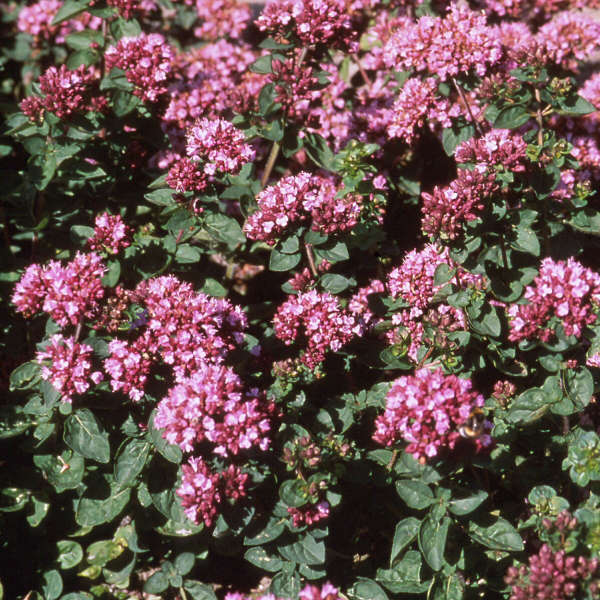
x,y
393,460
270,164
311,259
363,73
538,118
461,93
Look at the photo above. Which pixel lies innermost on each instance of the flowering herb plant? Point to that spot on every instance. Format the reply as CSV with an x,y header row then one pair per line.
x,y
300,300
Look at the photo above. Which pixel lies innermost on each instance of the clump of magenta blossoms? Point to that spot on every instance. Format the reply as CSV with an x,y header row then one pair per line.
x,y
213,405
221,18
296,198
128,8
316,320
460,43
309,592
448,208
554,576
148,62
67,366
418,103
111,234
413,282
311,21
182,328
202,491
309,515
36,20
426,410
219,146
564,292
66,92
67,293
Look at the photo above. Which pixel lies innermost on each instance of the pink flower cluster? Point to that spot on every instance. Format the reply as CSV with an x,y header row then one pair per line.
x,y
148,64
359,306
202,491
418,103
295,198
218,145
554,576
66,92
499,148
448,208
183,328
312,21
461,43
221,18
309,515
36,20
563,291
212,405
69,367
184,176
111,234
309,592
426,410
67,293
128,8
320,321
413,282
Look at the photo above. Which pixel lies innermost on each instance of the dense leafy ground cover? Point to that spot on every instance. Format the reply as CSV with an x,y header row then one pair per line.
x,y
300,302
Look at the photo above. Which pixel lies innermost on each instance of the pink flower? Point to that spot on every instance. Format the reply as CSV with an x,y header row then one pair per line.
x,y
309,514
128,367
566,291
185,176
68,294
426,410
202,491
320,321
111,234
461,43
219,145
148,64
212,405
66,92
70,368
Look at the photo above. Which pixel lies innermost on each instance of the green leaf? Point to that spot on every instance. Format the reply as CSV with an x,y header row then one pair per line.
x,y
131,461
337,253
199,591
406,531
84,434
405,576
580,106
25,376
452,137
81,40
258,556
225,229
487,323
432,541
92,511
184,562
283,262
465,506
530,406
443,274
112,276
274,528
511,117
285,584
40,510
53,585
499,536
262,65
304,552
65,474
526,241
186,254
170,451
290,245
124,102
70,9
415,493
366,589
161,197
156,583
69,554
334,284
318,150
102,552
